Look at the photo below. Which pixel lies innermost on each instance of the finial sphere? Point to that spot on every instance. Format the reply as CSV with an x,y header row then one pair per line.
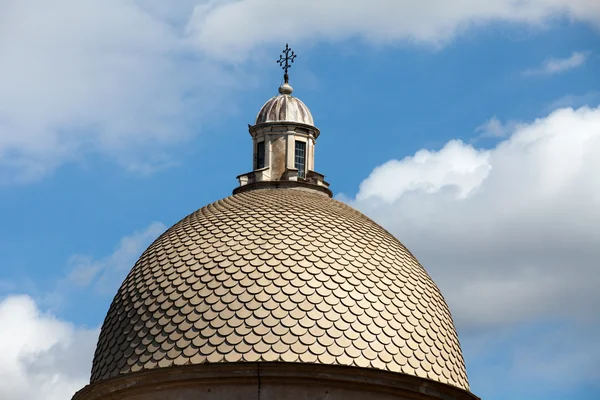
x,y
285,89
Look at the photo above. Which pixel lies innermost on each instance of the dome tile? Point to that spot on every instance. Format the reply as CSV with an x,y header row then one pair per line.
x,y
228,266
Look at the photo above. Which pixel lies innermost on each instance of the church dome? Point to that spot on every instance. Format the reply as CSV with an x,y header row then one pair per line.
x,y
285,108
286,275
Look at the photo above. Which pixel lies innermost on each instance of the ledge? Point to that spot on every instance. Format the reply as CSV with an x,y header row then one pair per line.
x,y
229,381
252,172
283,185
253,128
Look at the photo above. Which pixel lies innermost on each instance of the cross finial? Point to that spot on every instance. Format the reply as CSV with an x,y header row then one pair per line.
x,y
286,60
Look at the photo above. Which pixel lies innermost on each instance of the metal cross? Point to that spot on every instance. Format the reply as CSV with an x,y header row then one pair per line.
x,y
287,61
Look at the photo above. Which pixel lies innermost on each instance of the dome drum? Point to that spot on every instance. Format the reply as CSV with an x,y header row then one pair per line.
x,y
313,182
270,381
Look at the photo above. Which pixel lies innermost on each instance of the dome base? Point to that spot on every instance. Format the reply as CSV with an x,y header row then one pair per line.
x,y
269,381
299,185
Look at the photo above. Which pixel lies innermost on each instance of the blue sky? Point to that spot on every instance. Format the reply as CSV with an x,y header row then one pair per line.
x,y
472,134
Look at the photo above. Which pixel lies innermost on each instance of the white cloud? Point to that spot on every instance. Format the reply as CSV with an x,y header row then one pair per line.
x,y
128,79
494,128
556,65
510,233
42,356
456,166
575,100
80,77
106,274
224,28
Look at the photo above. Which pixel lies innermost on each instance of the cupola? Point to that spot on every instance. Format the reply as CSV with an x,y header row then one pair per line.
x,y
284,138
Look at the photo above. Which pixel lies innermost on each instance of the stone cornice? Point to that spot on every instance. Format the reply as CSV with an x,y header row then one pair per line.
x,y
284,184
252,129
330,379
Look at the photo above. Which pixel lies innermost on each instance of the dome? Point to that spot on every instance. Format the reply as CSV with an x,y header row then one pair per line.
x,y
286,275
285,108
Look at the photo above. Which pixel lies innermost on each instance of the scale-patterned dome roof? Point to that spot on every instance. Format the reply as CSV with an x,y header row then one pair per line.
x,y
285,108
279,275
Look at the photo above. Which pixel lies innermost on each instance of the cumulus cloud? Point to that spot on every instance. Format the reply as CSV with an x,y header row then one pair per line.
x,y
457,167
107,273
556,65
42,357
509,233
127,79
